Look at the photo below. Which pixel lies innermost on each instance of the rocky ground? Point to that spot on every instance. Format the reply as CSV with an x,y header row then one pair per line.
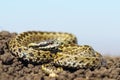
x,y
12,68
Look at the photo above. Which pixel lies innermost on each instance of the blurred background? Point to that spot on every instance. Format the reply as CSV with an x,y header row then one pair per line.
x,y
94,22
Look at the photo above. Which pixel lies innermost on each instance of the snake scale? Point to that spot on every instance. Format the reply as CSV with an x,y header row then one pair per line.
x,y
58,47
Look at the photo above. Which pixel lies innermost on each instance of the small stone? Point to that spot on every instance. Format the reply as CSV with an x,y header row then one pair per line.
x,y
30,65
7,59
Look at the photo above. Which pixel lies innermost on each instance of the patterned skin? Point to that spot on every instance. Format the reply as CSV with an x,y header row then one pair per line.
x,y
57,47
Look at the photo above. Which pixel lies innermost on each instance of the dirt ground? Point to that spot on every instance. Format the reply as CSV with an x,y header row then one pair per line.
x,y
12,68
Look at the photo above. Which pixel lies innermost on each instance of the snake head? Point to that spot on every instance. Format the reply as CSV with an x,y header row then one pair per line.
x,y
45,45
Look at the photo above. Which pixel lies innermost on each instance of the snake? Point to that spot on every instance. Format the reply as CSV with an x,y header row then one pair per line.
x,y
60,48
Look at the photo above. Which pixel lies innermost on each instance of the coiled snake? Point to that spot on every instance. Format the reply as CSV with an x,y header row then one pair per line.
x,y
57,47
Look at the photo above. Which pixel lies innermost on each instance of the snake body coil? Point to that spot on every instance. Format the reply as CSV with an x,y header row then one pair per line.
x,y
57,47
